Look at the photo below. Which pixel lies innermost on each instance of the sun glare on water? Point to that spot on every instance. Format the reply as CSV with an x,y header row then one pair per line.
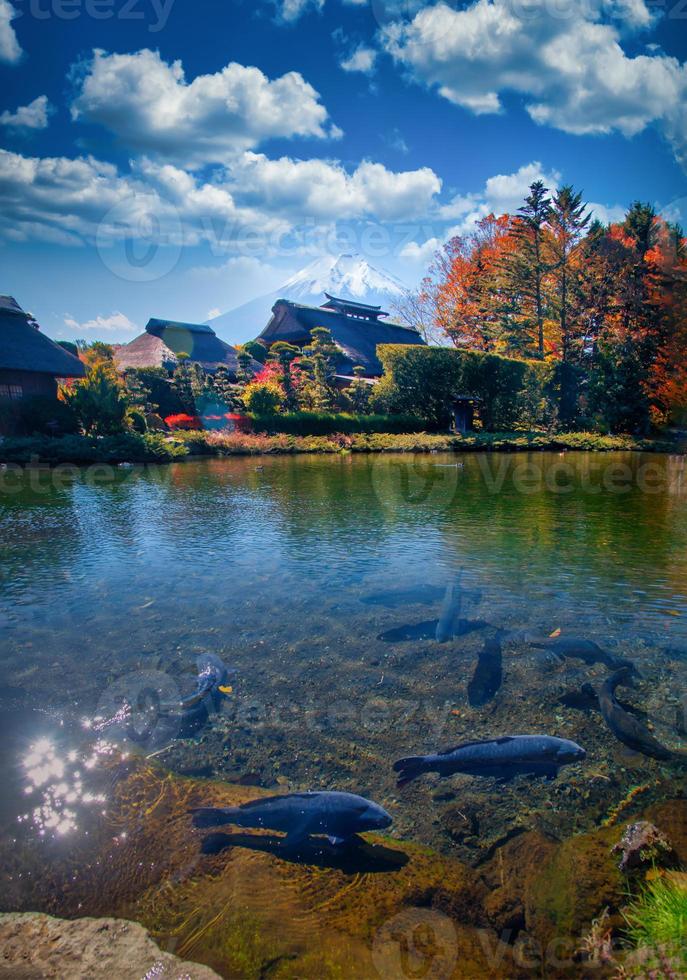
x,y
58,783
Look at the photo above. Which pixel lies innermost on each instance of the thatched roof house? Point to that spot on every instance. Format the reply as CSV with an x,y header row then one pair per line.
x,y
164,340
30,362
355,327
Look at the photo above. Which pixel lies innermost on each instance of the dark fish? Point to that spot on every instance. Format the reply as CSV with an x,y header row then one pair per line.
x,y
449,613
427,630
211,688
213,675
581,649
337,815
488,675
626,728
404,597
502,758
161,721
586,699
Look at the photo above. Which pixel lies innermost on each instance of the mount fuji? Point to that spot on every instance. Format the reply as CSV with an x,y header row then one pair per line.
x,y
347,276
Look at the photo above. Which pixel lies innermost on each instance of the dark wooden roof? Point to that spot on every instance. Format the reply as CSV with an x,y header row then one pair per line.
x,y
163,340
357,337
24,348
352,308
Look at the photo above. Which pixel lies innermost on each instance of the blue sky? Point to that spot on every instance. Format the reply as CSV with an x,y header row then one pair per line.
x,y
176,158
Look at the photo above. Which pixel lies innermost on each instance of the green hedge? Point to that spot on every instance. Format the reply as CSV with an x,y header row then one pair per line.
x,y
330,423
129,447
513,394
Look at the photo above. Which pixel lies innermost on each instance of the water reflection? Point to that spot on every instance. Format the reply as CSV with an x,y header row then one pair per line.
x,y
277,566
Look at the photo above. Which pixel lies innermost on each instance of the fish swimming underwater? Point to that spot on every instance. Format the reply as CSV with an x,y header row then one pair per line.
x,y
337,815
447,626
626,728
488,674
581,649
146,719
211,688
502,758
449,614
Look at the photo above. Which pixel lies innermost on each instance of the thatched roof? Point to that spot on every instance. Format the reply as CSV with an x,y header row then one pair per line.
x,y
24,348
163,340
357,336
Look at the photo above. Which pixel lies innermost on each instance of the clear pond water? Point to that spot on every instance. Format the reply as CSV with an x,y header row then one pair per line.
x,y
313,577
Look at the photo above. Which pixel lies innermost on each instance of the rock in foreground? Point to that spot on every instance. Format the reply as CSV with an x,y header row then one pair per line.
x,y
40,946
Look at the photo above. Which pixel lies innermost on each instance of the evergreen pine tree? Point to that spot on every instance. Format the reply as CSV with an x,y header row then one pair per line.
x,y
526,267
568,220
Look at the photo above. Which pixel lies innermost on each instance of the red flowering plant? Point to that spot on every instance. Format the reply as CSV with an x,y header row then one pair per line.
x,y
183,421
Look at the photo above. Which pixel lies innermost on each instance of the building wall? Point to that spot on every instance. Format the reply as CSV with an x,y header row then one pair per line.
x,y
26,384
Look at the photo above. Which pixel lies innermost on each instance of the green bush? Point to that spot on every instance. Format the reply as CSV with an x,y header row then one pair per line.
x,y
98,401
36,416
126,447
511,394
329,423
263,398
156,386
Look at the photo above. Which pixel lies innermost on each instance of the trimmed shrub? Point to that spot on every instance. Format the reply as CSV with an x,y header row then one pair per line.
x,y
511,394
263,398
127,447
157,385
330,423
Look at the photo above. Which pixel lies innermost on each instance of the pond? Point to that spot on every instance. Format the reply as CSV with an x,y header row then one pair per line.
x,y
320,580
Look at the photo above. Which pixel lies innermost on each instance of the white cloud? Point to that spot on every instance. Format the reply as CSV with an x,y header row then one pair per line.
x,y
323,189
75,200
255,202
215,311
571,70
150,106
32,116
421,254
501,194
290,10
362,59
10,49
103,324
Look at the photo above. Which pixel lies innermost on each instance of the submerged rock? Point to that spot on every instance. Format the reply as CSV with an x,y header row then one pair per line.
x,y
643,845
36,946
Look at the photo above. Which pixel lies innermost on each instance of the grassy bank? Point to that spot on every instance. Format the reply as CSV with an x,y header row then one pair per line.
x,y
155,448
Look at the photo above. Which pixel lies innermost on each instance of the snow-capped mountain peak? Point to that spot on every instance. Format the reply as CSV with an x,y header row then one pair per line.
x,y
348,276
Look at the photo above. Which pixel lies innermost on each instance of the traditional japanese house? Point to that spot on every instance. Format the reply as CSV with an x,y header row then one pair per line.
x,y
356,328
164,340
30,363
